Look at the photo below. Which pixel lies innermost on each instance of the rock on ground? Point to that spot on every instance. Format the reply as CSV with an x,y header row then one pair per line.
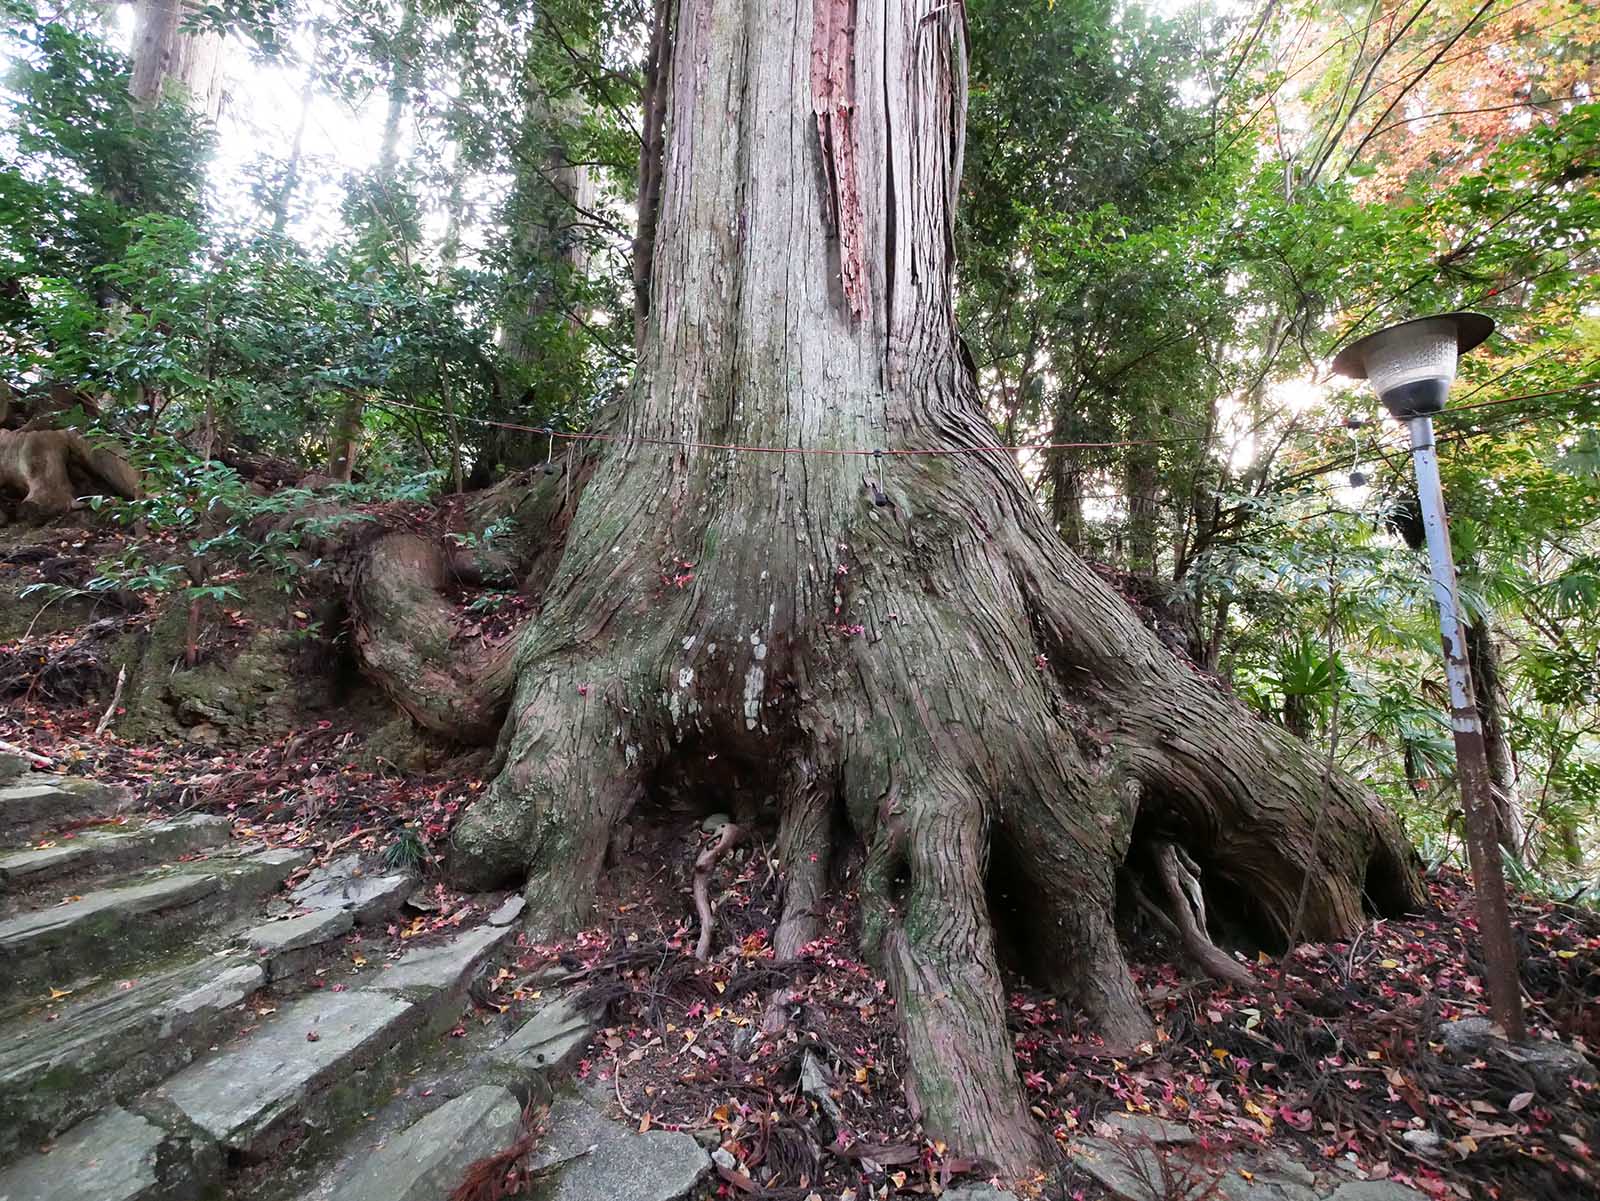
x,y
117,1156
254,1090
427,1160
549,1039
342,884
585,1156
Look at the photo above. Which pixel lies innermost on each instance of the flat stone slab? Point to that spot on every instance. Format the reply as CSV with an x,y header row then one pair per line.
x,y
508,911
587,1157
425,972
117,1156
1140,1169
102,930
1142,1127
113,849
251,1093
548,1040
1376,1190
342,884
427,1160
297,933
38,802
59,1067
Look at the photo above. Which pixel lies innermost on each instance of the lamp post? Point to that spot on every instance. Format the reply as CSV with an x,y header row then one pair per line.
x,y
1411,366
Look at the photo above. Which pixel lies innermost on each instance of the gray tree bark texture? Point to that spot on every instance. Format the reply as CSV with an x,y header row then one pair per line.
x,y
938,671
166,54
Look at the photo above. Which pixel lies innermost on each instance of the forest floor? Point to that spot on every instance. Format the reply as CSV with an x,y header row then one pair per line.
x,y
1337,1057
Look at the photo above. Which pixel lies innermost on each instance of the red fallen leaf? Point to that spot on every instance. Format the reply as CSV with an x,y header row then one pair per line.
x,y
312,1036
1300,1119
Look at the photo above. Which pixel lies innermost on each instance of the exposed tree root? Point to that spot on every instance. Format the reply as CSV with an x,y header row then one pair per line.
x,y
725,838
405,633
52,468
1182,885
805,846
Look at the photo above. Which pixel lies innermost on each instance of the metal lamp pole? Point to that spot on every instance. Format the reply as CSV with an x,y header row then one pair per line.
x,y
1472,759
1411,366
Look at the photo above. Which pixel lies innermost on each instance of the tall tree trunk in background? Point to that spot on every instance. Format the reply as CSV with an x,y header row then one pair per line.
x,y
937,669
652,154
549,196
1142,486
1064,470
401,72
1484,657
291,170
165,54
346,441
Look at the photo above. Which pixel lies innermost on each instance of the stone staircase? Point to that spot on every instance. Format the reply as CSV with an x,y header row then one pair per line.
x,y
172,1025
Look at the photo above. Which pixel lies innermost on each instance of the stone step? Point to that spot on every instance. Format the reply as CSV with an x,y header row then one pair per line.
x,y
118,1156
318,1063
84,1052
549,1041
36,803
286,947
585,1156
101,932
101,851
426,1161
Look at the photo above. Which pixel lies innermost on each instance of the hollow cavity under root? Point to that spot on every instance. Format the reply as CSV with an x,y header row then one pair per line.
x,y
1180,879
727,835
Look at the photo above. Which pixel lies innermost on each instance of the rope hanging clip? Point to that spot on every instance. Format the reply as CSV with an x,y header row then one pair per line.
x,y
549,468
879,496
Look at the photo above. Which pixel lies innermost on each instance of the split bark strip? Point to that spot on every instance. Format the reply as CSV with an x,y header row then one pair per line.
x,y
833,99
1195,939
726,837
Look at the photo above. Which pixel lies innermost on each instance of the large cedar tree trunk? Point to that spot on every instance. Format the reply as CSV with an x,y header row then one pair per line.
x,y
166,53
938,669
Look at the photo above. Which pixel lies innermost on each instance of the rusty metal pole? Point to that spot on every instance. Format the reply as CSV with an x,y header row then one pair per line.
x,y
1472,759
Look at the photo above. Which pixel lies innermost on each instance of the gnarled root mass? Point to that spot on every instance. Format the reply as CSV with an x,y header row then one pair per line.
x,y
406,635
50,469
903,662
975,728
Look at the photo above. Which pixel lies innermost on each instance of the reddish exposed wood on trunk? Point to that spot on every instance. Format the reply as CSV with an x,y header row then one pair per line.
x,y
833,99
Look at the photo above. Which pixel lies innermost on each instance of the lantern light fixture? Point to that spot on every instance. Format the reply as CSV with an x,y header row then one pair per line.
x,y
1412,364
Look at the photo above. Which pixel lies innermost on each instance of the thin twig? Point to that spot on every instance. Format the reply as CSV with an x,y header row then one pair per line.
x,y
116,697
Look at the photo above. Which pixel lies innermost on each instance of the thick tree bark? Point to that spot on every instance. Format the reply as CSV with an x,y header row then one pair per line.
x,y
936,664
166,54
1484,657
